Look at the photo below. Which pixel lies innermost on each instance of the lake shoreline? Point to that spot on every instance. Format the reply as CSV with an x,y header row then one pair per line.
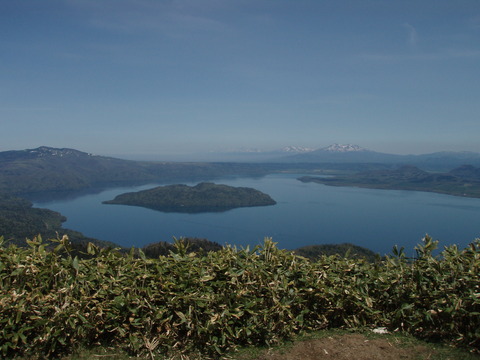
x,y
305,214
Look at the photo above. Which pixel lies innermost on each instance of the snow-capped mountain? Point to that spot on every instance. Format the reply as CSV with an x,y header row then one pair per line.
x,y
296,149
49,151
343,148
345,153
339,154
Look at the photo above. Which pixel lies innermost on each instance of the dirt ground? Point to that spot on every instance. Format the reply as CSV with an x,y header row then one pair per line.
x,y
349,347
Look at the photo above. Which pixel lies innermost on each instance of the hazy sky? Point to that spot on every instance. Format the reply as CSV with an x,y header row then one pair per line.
x,y
166,76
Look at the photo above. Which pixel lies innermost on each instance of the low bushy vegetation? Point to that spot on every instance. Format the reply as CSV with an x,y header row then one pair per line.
x,y
196,245
313,252
52,302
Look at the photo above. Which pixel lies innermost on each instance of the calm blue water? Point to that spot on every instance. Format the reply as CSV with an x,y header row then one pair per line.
x,y
305,214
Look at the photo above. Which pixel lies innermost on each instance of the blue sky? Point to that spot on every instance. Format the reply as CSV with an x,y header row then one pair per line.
x,y
183,76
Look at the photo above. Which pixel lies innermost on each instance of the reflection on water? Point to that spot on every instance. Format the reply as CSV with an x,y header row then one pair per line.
x,y
305,214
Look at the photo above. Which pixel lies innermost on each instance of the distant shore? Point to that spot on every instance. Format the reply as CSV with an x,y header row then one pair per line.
x,y
463,181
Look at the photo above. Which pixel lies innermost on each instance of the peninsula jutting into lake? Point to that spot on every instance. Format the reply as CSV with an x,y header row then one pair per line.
x,y
204,197
461,181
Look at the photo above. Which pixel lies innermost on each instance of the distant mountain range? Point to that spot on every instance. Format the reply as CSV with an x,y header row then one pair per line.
x,y
52,169
246,155
339,148
354,154
296,149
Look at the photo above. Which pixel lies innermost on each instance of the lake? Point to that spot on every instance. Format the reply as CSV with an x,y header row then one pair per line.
x,y
305,214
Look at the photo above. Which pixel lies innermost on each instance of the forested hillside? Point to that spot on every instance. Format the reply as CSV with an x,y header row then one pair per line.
x,y
55,170
19,220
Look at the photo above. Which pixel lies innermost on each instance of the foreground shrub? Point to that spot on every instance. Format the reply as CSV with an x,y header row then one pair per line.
x,y
52,302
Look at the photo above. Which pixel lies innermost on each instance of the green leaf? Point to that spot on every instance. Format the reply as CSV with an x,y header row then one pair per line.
x,y
75,263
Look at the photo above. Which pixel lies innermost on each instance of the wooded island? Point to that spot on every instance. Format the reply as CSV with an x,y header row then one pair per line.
x,y
204,197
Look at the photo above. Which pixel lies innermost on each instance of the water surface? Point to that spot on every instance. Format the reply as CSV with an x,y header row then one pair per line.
x,y
305,214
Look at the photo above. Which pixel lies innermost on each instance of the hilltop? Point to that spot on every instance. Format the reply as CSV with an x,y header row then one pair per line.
x,y
51,169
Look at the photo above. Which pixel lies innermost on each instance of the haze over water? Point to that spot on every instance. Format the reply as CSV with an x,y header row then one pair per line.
x,y
305,214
